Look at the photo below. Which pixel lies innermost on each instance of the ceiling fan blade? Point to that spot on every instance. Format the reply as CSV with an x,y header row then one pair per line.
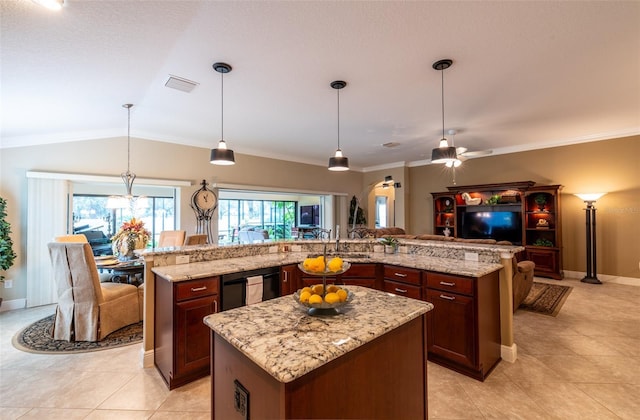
x,y
477,153
461,150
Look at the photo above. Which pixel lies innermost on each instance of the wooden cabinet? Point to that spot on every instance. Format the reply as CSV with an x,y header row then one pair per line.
x,y
543,230
289,275
403,281
182,348
463,330
444,214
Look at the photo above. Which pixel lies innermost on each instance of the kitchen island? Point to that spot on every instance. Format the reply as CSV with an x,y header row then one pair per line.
x,y
272,360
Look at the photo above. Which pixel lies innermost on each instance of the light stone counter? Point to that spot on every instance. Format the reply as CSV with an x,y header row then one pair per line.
x,y
202,269
282,339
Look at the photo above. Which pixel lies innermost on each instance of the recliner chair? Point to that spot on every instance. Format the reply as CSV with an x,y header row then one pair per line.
x,y
522,280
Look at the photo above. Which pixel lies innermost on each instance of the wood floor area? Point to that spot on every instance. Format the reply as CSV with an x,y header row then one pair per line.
x,y
584,363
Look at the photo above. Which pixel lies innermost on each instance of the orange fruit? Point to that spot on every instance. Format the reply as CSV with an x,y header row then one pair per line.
x,y
332,288
342,295
332,298
314,299
304,296
335,264
317,289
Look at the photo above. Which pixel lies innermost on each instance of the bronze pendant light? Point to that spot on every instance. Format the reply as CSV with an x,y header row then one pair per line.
x,y
222,155
443,153
338,162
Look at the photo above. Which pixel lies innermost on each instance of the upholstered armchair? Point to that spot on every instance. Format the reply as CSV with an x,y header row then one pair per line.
x,y
522,280
171,238
196,240
87,309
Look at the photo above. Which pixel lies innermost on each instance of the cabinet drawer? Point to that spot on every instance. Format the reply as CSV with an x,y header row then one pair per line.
x,y
449,283
197,288
361,270
406,275
402,289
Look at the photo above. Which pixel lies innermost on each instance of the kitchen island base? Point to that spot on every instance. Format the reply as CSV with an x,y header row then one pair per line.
x,y
384,378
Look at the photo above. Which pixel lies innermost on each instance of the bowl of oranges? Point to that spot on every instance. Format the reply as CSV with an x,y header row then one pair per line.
x,y
323,300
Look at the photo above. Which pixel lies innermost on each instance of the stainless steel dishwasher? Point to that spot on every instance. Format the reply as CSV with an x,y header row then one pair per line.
x,y
234,286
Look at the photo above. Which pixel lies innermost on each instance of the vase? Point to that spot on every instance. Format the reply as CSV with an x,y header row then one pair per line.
x,y
389,249
125,246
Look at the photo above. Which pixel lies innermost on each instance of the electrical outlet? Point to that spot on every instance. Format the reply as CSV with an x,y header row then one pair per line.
x,y
8,283
182,259
471,256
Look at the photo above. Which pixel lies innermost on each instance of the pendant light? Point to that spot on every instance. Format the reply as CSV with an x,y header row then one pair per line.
x,y
128,200
222,155
443,153
338,162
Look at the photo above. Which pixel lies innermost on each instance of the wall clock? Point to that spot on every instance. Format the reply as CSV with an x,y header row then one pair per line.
x,y
204,203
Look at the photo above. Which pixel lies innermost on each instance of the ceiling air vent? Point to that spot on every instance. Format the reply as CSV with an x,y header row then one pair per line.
x,y
179,83
391,144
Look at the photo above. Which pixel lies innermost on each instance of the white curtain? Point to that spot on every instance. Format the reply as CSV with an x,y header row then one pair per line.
x,y
48,216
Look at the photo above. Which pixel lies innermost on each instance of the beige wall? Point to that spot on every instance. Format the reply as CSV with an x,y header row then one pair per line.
x,y
149,159
611,166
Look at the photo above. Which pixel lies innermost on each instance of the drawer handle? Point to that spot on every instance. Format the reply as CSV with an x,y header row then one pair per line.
x,y
286,277
447,297
400,274
446,283
401,290
198,289
215,306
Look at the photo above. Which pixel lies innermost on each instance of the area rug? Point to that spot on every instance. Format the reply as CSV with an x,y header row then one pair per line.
x,y
36,338
546,299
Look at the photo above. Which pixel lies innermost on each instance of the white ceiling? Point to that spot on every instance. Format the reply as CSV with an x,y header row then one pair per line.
x,y
526,75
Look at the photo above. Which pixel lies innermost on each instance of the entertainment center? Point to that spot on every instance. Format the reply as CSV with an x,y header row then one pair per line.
x,y
519,212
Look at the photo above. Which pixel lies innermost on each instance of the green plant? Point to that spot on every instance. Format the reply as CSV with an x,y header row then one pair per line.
x,y
389,241
494,199
6,244
541,199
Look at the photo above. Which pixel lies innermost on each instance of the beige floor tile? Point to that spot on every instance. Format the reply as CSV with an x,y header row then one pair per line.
x,y
55,414
500,400
190,415
575,403
11,413
450,401
576,369
191,397
145,391
621,399
531,369
119,415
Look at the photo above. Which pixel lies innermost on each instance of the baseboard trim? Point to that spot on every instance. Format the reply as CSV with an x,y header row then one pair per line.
x,y
509,353
10,305
605,278
146,358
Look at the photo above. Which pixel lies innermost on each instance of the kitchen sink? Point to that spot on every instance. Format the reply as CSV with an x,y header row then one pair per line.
x,y
343,255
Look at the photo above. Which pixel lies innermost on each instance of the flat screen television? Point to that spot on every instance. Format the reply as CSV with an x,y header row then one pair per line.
x,y
498,225
310,215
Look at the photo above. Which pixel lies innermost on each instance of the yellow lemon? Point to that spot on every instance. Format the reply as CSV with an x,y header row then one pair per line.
x,y
335,264
317,289
342,295
332,288
304,296
315,299
305,289
331,298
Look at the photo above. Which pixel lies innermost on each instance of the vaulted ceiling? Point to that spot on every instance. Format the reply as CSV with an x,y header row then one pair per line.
x,y
525,75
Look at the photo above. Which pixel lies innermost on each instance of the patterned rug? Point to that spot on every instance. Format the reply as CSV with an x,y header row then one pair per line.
x,y
36,338
546,299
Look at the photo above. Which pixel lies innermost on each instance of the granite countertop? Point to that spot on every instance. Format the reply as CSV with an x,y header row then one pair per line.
x,y
181,272
282,339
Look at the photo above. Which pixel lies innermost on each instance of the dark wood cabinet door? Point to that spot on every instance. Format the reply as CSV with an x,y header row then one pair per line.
x,y
546,261
451,327
192,335
288,279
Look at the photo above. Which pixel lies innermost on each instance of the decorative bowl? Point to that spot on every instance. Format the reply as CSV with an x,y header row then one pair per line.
x,y
323,308
345,266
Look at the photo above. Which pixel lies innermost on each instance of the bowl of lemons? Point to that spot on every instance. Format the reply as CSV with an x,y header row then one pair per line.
x,y
321,266
323,300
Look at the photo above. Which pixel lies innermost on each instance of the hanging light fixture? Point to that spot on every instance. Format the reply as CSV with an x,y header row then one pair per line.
x,y
443,153
222,155
127,200
457,161
338,162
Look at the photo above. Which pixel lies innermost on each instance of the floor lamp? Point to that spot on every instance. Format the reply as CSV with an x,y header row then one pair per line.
x,y
589,200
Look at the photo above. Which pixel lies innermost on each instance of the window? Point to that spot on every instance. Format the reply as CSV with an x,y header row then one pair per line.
x,y
90,214
277,217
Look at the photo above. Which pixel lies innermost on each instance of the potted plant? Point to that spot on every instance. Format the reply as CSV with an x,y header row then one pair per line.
x,y
541,200
6,244
390,244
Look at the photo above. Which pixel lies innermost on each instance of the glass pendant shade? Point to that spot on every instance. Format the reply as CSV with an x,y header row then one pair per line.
x,y
222,155
338,162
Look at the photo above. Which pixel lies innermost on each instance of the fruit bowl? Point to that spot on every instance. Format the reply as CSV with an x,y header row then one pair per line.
x,y
345,267
323,308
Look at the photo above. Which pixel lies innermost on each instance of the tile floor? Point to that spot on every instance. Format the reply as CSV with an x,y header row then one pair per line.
x,y
582,364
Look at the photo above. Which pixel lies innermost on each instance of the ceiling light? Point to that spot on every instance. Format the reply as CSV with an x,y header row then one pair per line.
x,y
222,155
443,153
338,162
50,4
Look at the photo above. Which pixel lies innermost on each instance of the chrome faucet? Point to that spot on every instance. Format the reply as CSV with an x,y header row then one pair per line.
x,y
337,238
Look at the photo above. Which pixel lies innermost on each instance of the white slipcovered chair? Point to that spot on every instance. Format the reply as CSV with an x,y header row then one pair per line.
x,y
87,309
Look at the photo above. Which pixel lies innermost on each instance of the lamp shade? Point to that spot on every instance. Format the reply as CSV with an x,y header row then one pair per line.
x,y
444,154
222,155
590,197
338,162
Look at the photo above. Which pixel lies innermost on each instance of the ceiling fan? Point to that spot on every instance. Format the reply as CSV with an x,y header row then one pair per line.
x,y
463,153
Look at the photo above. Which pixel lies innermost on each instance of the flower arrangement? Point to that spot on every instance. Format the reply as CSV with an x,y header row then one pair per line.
x,y
132,235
